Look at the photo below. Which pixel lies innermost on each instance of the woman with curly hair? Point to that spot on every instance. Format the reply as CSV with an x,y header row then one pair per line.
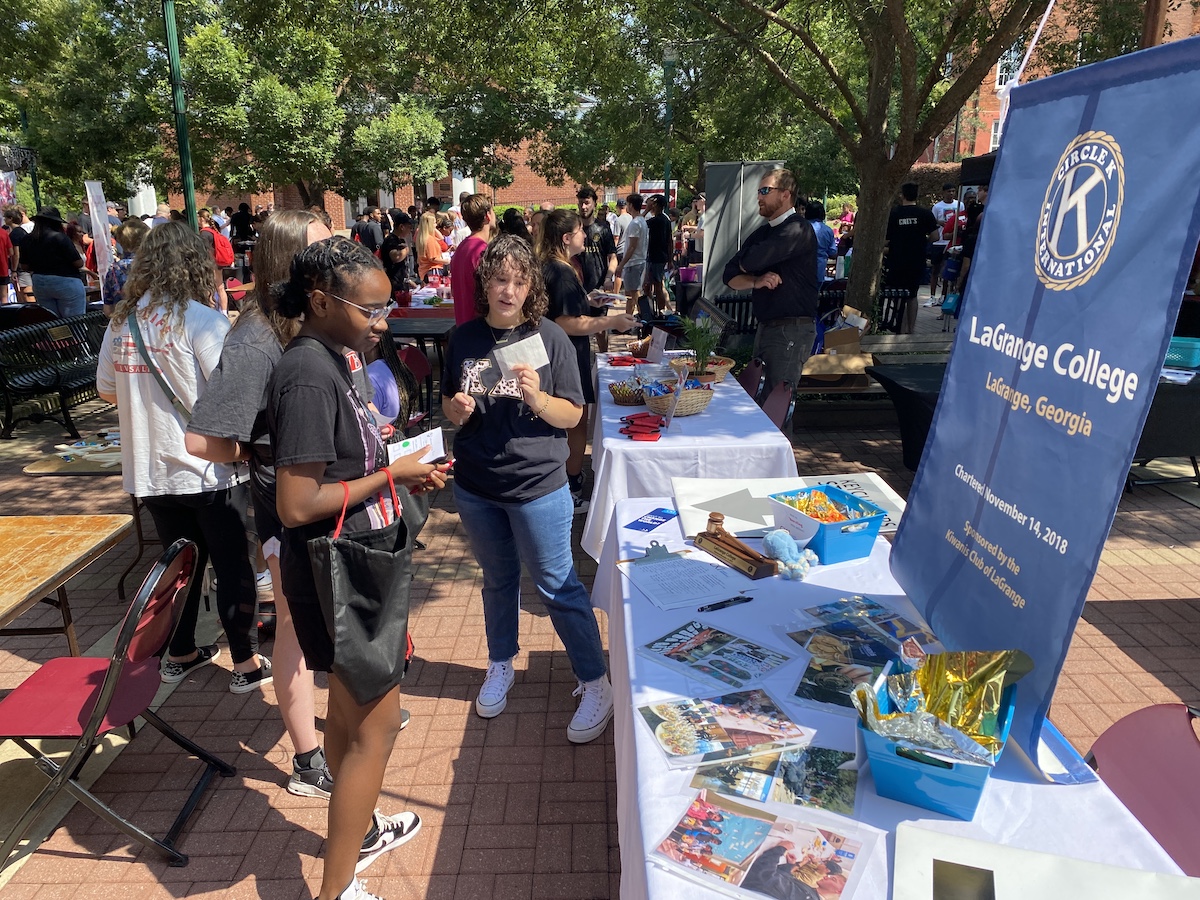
x,y
230,424
511,481
162,346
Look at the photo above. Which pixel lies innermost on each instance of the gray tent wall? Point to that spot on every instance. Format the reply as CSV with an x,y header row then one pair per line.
x,y
730,217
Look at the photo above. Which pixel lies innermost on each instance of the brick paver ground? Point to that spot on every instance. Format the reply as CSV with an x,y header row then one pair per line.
x,y
511,809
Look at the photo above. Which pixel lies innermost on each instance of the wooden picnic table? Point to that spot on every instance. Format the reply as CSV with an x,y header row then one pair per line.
x,y
40,554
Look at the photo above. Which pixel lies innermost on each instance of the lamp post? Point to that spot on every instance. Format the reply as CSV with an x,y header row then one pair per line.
x,y
178,104
670,56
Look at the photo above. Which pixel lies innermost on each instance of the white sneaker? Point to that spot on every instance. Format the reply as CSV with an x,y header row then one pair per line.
x,y
357,890
264,586
493,696
595,711
387,833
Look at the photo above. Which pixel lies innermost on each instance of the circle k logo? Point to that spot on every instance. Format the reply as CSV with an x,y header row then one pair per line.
x,y
1079,217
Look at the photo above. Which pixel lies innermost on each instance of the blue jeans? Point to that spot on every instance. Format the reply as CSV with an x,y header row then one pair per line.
x,y
537,533
61,295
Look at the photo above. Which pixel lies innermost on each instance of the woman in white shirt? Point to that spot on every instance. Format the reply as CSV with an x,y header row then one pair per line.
x,y
167,296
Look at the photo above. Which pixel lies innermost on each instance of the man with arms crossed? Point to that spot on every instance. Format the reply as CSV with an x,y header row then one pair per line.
x,y
778,265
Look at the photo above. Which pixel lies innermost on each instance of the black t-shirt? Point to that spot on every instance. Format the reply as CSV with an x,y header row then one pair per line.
x,y
234,402
598,246
658,247
504,452
316,413
18,235
52,254
398,273
241,226
908,239
568,298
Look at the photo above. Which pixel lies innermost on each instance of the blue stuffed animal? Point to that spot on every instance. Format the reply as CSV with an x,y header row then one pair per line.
x,y
794,563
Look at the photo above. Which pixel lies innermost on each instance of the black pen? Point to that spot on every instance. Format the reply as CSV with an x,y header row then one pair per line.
x,y
722,604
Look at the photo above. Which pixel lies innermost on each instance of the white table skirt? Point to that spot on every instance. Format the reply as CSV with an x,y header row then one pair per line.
x,y
731,438
1018,809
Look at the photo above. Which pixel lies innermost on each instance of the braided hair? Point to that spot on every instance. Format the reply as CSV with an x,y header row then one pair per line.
x,y
333,264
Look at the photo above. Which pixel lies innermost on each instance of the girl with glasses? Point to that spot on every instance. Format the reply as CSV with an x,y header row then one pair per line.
x,y
327,447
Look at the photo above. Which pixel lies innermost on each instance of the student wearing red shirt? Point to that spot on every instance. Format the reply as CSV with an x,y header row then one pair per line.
x,y
477,212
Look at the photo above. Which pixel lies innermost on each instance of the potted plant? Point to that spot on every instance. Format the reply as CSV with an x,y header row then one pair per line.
x,y
702,337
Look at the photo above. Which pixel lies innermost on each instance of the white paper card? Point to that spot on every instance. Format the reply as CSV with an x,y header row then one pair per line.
x,y
530,351
431,441
658,343
931,865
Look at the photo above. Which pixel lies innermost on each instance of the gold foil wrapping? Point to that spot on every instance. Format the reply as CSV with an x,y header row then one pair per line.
x,y
949,706
963,690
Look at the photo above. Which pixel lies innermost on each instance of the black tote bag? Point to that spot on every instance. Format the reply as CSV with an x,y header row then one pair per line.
x,y
363,581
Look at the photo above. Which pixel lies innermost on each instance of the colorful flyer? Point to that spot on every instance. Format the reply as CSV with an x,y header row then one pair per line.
x,y
723,843
704,731
813,776
831,683
700,649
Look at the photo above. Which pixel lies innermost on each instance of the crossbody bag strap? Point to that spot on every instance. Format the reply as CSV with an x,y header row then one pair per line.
x,y
154,369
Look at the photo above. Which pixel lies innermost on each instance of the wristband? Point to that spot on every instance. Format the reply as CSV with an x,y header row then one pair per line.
x,y
538,413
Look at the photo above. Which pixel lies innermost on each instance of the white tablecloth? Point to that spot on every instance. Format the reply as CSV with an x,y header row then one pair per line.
x,y
731,438
1018,809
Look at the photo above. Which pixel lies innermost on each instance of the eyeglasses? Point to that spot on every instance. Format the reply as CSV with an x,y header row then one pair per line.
x,y
373,314
763,191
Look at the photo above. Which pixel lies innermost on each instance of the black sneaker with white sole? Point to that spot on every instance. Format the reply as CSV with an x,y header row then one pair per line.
x,y
245,682
387,833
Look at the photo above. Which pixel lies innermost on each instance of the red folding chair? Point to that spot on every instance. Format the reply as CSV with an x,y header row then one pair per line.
x,y
780,403
418,364
1150,760
85,698
751,378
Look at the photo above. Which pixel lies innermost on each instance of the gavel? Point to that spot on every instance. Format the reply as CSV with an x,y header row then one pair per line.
x,y
718,535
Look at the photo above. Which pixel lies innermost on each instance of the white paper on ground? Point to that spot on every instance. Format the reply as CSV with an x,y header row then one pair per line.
x,y
931,864
747,510
431,441
531,351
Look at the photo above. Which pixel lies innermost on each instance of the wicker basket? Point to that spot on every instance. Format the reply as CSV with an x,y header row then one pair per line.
x,y
639,348
624,395
690,402
720,366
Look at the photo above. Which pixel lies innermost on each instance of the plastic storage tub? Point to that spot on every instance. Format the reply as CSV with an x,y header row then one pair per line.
x,y
951,788
833,542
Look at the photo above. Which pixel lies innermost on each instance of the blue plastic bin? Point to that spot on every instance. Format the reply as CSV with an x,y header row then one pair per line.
x,y
950,788
834,542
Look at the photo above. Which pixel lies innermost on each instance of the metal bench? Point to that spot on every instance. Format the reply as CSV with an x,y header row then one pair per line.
x,y
50,359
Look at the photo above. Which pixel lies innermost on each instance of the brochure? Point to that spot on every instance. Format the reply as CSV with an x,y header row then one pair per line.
x,y
848,641
704,731
726,844
699,649
813,776
831,683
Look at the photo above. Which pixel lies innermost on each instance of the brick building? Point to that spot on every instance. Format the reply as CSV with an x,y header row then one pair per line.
x,y
528,189
978,122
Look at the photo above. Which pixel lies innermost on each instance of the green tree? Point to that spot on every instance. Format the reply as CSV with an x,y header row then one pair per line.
x,y
883,76
92,82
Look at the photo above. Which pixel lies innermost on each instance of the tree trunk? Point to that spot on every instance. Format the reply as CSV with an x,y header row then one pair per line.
x,y
306,193
877,194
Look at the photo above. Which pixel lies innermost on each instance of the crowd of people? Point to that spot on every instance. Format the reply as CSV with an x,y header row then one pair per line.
x,y
270,429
